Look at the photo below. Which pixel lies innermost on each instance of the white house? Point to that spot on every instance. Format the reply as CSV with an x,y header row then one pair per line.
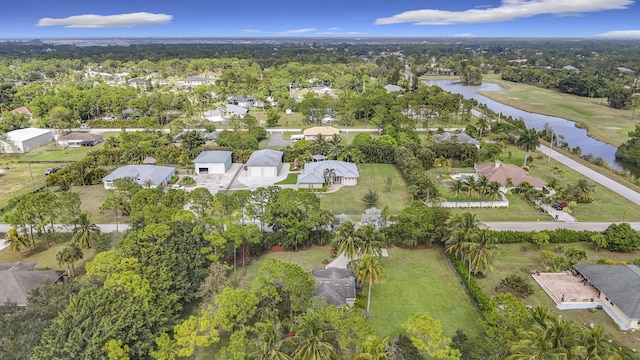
x,y
212,162
341,172
77,139
264,163
224,113
24,140
145,175
195,80
324,90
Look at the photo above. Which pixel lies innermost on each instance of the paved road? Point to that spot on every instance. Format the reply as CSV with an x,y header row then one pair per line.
x,y
545,225
614,186
106,228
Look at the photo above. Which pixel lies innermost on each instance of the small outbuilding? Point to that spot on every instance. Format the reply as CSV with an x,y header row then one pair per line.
x,y
24,140
264,163
146,175
212,162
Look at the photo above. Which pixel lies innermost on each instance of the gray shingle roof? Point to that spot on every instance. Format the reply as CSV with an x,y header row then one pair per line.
x,y
335,285
620,283
313,172
266,157
213,157
16,285
460,138
141,173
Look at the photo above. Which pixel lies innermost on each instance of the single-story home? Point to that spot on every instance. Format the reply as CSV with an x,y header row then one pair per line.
x,y
137,83
207,136
619,290
326,131
212,162
392,88
337,286
224,113
243,101
77,139
24,140
195,80
500,172
461,138
325,90
264,163
18,279
145,175
314,174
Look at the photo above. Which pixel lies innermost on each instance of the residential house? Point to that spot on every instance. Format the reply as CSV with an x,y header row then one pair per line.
x,y
224,113
77,139
326,131
392,88
212,162
264,163
501,172
24,140
137,83
619,287
337,286
245,101
145,175
314,174
323,90
461,138
18,279
195,81
22,110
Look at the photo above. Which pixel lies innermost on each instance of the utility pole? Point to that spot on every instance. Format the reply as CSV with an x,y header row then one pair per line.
x,y
551,145
31,173
290,95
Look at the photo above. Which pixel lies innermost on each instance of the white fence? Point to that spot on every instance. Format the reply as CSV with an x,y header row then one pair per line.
x,y
472,204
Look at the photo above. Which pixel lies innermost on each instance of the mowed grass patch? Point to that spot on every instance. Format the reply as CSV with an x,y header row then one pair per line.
x,y
19,179
521,259
92,197
603,123
416,281
291,179
53,152
348,199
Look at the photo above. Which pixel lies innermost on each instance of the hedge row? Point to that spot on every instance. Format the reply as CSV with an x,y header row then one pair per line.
x,y
113,124
477,295
557,236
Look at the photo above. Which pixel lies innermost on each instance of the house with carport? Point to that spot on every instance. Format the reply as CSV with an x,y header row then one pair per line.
x,y
316,174
264,163
212,162
146,175
619,287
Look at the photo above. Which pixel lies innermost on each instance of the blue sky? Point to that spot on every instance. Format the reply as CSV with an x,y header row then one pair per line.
x,y
21,19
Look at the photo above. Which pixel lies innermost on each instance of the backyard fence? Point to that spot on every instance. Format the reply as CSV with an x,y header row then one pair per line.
x,y
471,204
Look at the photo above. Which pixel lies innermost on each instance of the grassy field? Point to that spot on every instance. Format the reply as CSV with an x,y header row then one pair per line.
x,y
20,178
520,259
372,176
52,152
603,123
417,281
92,197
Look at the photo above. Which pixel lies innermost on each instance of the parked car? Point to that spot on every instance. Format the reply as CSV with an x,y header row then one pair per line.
x,y
50,171
557,207
176,186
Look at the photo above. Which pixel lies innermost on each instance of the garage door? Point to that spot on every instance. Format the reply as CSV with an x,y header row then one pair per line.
x,y
203,170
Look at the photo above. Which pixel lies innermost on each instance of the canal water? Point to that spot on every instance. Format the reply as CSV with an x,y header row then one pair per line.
x,y
572,135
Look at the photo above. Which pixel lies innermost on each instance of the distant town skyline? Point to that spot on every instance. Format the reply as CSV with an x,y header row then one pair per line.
x,y
29,19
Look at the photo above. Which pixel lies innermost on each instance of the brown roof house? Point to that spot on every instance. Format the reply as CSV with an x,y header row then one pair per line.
x,y
337,286
22,110
18,279
326,131
500,172
77,139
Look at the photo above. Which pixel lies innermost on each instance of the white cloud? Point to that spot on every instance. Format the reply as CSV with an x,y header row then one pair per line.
x,y
332,29
249,31
623,34
102,21
463,35
340,33
508,10
299,31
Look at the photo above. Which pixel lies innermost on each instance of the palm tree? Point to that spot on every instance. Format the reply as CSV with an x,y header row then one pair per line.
x,y
336,148
17,241
528,141
482,124
269,343
371,241
321,144
471,187
584,190
347,240
462,229
315,338
372,348
479,252
86,232
482,185
594,344
369,270
329,176
457,186
69,254
493,191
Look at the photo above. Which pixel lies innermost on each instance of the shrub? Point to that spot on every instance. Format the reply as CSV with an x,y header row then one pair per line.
x,y
516,285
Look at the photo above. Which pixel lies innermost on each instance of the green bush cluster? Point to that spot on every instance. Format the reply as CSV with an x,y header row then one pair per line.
x,y
482,301
113,124
516,285
557,236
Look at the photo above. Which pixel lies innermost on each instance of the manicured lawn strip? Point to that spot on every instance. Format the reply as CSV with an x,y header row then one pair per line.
x,y
519,210
520,259
348,199
291,179
603,123
92,197
417,281
58,153
17,180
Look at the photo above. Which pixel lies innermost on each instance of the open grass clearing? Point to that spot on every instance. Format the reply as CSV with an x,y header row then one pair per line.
x,y
348,199
92,197
53,152
602,122
291,179
20,178
416,281
520,259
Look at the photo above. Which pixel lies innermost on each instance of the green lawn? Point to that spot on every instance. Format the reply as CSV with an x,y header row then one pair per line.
x,y
52,152
416,281
603,123
20,178
520,259
372,176
291,179
92,197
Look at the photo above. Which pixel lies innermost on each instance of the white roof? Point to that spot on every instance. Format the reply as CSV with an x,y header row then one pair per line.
x,y
314,172
213,156
266,157
141,173
26,134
